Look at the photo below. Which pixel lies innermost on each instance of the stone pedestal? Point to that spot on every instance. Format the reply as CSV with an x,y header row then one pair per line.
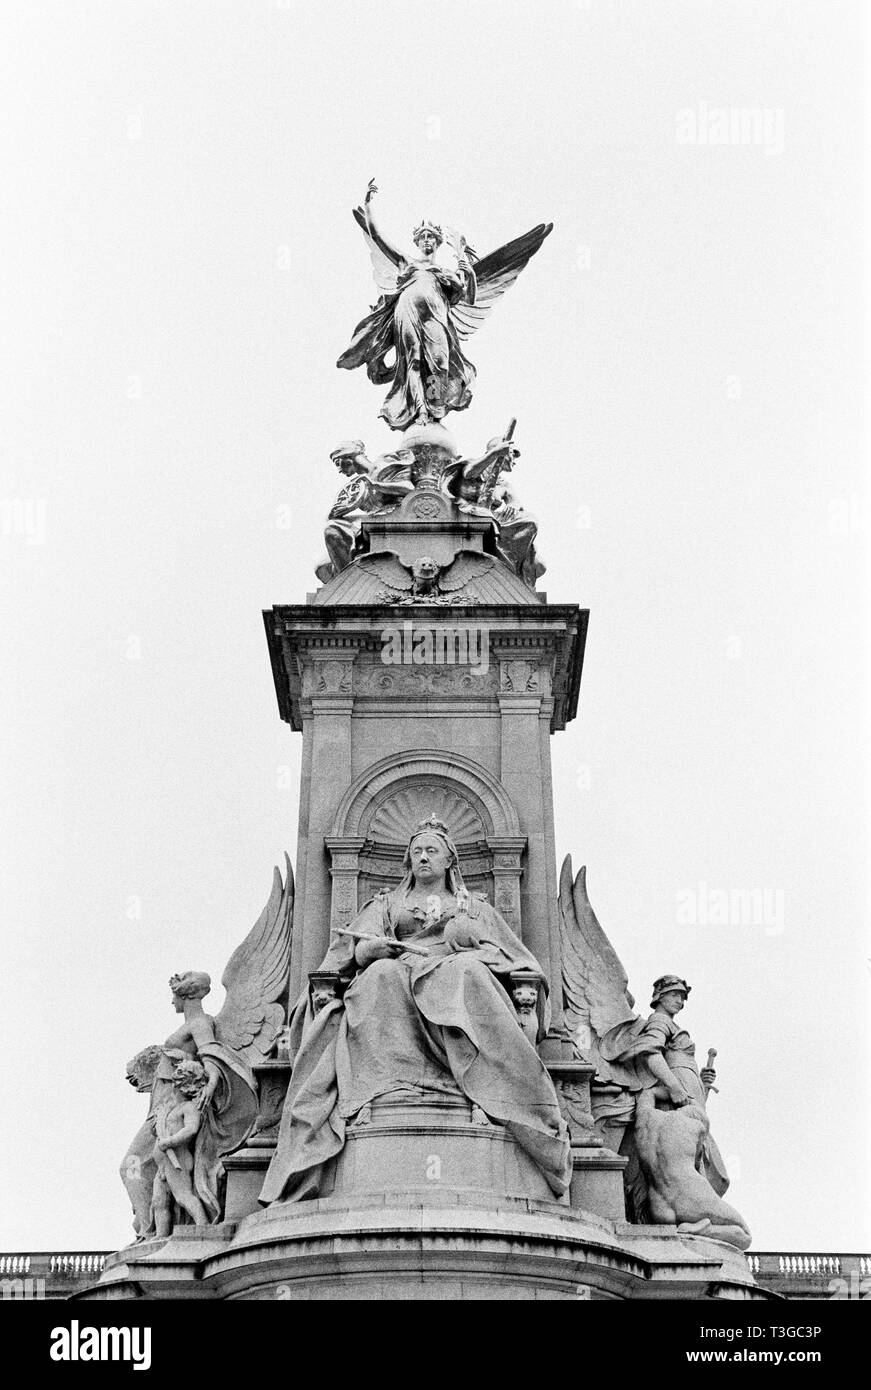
x,y
407,1140
597,1182
434,1145
426,1244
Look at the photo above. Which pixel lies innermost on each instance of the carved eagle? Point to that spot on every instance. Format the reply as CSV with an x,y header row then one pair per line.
x,y
426,577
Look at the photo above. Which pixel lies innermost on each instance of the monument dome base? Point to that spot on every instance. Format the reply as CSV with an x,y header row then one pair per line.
x,y
428,1200
427,1244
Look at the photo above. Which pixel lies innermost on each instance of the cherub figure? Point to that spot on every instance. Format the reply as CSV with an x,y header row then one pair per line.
x,y
428,306
177,1123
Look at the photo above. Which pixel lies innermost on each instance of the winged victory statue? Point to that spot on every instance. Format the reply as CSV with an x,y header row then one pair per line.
x,y
202,1087
430,303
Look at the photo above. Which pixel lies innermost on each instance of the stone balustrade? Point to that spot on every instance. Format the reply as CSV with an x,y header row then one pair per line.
x,y
793,1274
47,1274
799,1274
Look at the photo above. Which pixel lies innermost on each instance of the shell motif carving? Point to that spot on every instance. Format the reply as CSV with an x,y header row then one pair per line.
x,y
396,815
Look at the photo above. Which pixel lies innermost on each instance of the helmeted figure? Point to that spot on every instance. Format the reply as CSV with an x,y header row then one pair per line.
x,y
372,490
658,1117
479,490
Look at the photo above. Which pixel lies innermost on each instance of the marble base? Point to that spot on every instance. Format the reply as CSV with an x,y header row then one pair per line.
x,y
425,1203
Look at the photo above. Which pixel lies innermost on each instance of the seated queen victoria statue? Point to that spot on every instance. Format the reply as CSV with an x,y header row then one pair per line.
x,y
425,1009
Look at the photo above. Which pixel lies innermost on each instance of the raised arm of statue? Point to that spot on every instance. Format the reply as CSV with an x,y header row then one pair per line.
x,y
498,451
384,246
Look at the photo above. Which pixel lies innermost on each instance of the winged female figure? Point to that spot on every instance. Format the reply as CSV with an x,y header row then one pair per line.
x,y
223,1050
427,309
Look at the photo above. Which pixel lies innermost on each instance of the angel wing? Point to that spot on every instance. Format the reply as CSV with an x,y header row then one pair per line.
x,y
384,269
468,565
595,985
389,570
495,274
256,977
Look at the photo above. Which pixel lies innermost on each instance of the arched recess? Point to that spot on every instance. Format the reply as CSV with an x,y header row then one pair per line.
x,y
380,809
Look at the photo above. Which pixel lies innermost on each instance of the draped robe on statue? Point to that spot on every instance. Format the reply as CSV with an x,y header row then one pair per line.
x,y
430,372
415,1023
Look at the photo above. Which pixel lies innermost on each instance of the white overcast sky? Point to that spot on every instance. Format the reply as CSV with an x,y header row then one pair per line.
x,y
686,363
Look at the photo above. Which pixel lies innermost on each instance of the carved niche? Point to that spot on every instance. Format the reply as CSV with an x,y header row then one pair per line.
x,y
373,823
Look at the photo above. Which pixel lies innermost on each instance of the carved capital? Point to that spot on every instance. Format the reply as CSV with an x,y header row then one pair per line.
x,y
519,677
332,676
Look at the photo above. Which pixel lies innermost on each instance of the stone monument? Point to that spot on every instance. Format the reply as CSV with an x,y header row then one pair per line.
x,y
429,1079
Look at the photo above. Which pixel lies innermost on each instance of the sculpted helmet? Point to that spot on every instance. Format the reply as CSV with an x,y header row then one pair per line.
x,y
666,983
496,440
348,449
427,226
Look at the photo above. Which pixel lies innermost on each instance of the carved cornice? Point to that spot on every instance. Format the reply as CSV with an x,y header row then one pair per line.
x,y
552,636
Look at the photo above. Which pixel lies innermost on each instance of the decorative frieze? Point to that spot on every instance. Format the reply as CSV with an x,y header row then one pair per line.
x,y
379,678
